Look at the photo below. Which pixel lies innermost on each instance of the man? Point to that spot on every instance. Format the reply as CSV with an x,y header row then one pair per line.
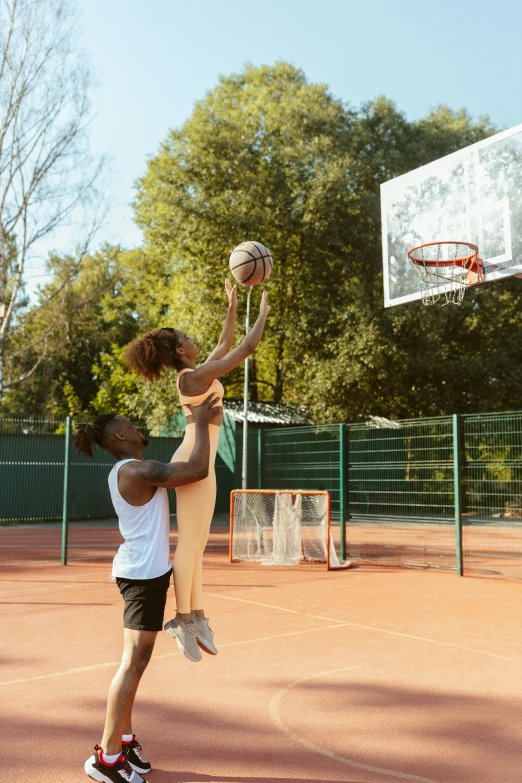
x,y
141,568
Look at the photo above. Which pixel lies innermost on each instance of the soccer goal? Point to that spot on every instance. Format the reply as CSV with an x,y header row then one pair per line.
x,y
282,527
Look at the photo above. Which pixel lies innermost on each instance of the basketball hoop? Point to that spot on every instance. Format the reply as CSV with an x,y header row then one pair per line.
x,y
446,270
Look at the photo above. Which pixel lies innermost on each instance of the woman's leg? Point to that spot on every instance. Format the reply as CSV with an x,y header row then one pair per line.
x,y
196,594
195,509
184,556
191,530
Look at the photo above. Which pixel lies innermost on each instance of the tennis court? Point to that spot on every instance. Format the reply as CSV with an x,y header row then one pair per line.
x,y
372,674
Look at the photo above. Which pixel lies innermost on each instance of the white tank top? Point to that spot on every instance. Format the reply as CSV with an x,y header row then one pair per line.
x,y
145,552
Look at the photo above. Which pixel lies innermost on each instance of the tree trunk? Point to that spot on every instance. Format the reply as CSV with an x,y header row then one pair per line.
x,y
278,388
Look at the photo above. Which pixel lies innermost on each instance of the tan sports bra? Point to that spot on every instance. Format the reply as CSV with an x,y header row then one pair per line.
x,y
215,388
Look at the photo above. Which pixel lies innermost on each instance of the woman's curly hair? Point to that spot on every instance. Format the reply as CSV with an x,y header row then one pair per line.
x,y
87,435
150,355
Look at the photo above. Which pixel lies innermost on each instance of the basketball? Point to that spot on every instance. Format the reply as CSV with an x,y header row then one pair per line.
x,y
250,263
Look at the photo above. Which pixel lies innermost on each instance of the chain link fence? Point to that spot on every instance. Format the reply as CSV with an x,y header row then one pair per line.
x,y
443,493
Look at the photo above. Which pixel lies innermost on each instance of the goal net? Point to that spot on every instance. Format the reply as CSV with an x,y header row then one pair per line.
x,y
282,527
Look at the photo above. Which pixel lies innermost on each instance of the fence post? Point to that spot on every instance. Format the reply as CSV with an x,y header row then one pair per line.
x,y
260,458
342,521
65,510
457,491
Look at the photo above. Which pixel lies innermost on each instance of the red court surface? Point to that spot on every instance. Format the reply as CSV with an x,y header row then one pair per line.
x,y
363,676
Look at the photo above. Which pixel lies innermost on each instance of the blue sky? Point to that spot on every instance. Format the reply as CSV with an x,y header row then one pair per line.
x,y
153,60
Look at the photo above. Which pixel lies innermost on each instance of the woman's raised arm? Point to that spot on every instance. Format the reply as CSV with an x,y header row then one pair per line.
x,y
203,376
226,337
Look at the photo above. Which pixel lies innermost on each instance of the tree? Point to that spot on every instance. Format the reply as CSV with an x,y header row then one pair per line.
x,y
265,156
411,360
82,321
46,172
269,156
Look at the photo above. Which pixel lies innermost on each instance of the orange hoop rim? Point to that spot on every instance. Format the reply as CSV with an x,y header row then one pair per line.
x,y
471,261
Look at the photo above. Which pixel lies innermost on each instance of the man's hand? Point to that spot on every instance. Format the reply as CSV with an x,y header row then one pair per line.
x,y
264,307
231,293
207,411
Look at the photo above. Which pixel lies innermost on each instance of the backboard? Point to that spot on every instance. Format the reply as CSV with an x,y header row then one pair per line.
x,y
473,195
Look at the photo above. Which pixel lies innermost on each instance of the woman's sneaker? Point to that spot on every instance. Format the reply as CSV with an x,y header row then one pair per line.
x,y
132,752
204,634
118,772
185,636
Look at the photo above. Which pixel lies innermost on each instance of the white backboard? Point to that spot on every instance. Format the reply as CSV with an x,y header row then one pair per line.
x,y
473,195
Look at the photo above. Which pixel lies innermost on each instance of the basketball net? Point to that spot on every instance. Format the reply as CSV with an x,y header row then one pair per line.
x,y
445,280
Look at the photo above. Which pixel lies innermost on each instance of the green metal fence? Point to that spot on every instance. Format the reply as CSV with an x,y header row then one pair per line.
x,y
401,500
441,493
55,505
492,515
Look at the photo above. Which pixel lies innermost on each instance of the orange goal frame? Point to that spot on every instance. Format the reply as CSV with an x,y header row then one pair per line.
x,y
292,492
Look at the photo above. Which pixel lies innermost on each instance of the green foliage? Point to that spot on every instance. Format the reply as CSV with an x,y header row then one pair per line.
x,y
268,156
81,319
264,157
121,392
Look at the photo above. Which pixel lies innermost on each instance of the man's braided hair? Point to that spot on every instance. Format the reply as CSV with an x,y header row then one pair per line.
x,y
86,434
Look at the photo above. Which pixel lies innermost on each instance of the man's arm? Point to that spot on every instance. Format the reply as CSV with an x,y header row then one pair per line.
x,y
176,474
137,478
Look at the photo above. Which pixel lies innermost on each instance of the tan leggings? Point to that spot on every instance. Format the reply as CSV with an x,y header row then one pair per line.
x,y
195,505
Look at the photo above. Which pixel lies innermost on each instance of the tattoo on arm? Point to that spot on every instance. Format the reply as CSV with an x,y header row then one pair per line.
x,y
155,472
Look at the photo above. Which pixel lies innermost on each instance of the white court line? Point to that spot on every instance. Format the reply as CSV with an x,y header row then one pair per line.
x,y
273,709
369,627
338,624
96,666
50,586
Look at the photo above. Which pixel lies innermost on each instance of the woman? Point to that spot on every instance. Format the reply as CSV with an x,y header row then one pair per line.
x,y
151,356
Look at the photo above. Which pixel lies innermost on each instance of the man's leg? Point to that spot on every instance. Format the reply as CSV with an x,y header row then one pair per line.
x,y
137,650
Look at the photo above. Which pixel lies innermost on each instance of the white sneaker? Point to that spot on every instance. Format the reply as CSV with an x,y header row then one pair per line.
x,y
204,634
118,772
185,635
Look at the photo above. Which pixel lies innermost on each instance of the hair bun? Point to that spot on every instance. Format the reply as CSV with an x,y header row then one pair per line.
x,y
151,355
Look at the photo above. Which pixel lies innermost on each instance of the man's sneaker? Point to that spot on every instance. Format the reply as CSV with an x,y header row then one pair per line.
x,y
118,772
185,635
132,752
204,634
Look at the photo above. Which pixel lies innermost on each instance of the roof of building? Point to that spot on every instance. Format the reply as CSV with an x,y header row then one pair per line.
x,y
380,423
266,412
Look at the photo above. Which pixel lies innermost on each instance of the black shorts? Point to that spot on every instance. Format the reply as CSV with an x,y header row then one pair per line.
x,y
145,601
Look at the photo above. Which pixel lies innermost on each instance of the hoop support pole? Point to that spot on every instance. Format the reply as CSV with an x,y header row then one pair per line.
x,y
244,468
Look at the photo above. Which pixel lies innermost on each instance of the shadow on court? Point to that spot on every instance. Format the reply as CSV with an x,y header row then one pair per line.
x,y
417,681
433,734
457,733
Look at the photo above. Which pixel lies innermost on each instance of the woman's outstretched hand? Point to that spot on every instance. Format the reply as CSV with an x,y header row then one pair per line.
x,y
231,293
264,307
